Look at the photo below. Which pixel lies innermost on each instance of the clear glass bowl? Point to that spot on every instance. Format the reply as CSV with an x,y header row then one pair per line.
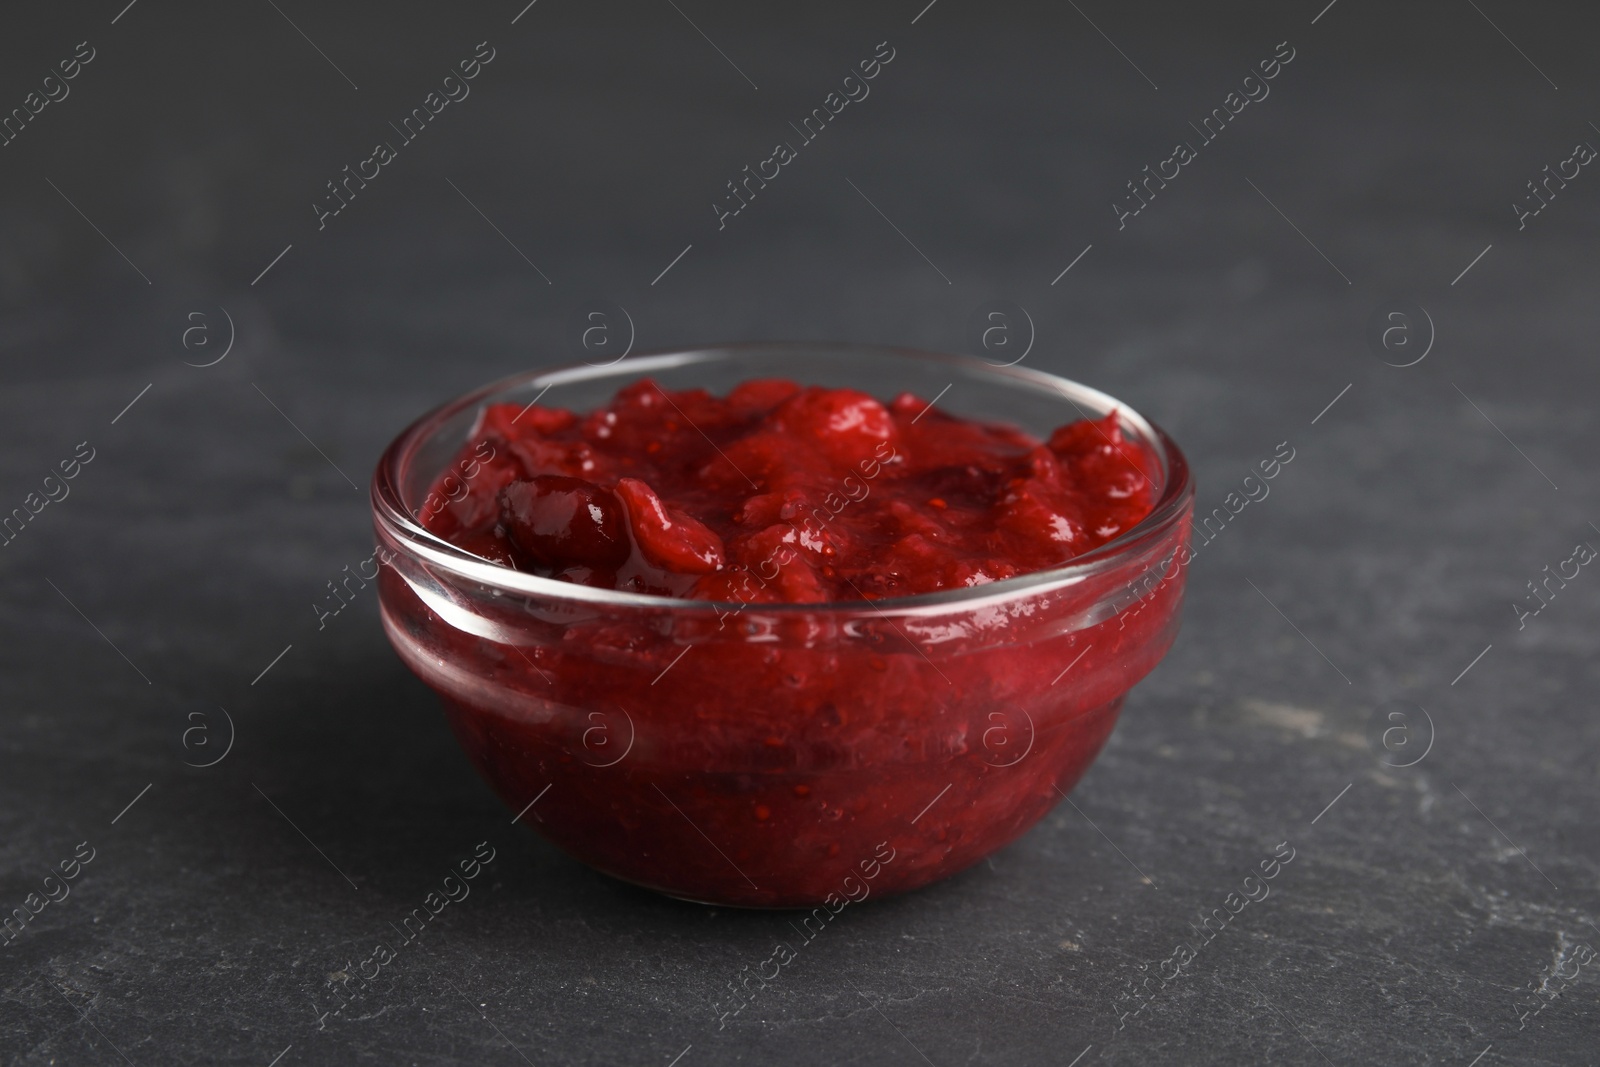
x,y
782,755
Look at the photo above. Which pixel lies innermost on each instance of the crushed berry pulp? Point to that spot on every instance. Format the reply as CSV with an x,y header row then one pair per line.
x,y
785,493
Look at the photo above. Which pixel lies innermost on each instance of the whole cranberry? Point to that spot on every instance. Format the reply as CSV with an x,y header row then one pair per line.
x,y
561,522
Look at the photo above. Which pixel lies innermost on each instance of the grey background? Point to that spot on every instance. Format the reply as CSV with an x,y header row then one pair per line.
x,y
205,929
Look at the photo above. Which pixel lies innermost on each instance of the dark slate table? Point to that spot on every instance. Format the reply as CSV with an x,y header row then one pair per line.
x,y
1442,902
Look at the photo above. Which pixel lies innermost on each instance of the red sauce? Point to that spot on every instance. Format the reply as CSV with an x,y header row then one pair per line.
x,y
779,492
782,756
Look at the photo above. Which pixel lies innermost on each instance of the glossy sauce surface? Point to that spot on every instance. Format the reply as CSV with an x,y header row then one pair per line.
x,y
783,493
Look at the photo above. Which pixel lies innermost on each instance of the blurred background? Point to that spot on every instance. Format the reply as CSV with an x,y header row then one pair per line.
x,y
179,303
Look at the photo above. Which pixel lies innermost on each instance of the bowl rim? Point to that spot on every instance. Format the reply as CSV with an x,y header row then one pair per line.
x,y
391,516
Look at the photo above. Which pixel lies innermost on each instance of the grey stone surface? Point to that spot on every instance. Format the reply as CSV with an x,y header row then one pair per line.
x,y
1419,911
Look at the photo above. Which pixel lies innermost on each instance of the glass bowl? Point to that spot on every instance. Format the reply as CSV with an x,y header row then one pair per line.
x,y
782,755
